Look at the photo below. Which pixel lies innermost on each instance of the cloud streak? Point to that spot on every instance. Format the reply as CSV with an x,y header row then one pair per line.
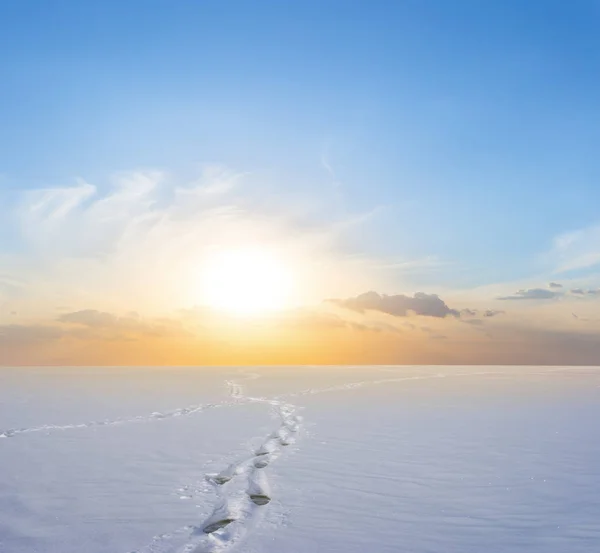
x,y
142,242
576,250
427,305
531,294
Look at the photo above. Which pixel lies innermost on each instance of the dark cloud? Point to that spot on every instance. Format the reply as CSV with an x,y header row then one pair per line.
x,y
485,313
532,294
428,305
492,312
582,292
545,294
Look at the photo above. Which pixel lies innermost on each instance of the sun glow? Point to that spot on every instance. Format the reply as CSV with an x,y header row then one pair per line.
x,y
246,282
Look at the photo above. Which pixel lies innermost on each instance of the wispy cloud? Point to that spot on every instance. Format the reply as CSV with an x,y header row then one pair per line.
x,y
415,265
90,323
579,249
532,294
142,241
327,165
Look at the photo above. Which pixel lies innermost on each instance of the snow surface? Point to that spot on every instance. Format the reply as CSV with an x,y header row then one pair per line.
x,y
336,459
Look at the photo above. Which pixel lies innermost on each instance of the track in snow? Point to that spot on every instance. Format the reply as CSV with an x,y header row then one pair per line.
x,y
242,489
237,398
156,416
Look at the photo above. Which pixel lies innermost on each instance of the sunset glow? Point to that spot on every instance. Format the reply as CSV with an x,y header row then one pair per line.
x,y
246,282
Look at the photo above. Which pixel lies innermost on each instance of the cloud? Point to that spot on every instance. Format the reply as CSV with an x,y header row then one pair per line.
x,y
90,323
475,322
415,265
584,319
493,312
556,291
581,292
576,250
28,334
532,294
428,305
57,203
90,318
91,336
328,168
304,336
10,286
143,240
555,285
485,313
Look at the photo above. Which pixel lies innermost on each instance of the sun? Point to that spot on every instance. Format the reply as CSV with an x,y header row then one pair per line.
x,y
246,282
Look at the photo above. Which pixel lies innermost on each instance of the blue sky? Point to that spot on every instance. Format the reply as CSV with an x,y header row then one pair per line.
x,y
300,154
471,126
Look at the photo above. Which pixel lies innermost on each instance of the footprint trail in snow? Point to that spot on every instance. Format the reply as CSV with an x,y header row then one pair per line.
x,y
242,489
237,398
156,416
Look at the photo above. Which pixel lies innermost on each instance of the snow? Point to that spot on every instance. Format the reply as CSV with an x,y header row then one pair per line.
x,y
336,459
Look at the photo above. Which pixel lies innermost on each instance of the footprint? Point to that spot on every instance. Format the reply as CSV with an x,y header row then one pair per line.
x,y
277,434
293,423
262,461
225,475
260,499
217,525
258,488
286,436
238,502
221,517
267,448
289,440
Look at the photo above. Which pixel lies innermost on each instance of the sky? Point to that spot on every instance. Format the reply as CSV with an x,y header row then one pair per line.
x,y
331,181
